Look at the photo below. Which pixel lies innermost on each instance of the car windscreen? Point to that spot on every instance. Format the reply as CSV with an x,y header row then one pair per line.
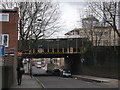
x,y
67,71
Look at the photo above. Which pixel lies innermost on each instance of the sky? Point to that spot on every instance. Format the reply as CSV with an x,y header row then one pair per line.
x,y
70,16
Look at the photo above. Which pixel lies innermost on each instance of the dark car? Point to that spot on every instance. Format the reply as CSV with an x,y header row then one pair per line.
x,y
56,72
65,73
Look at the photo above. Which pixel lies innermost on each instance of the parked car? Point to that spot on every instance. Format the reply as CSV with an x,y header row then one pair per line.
x,y
38,64
49,71
65,73
56,72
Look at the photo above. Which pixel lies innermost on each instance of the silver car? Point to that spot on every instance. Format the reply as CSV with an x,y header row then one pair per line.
x,y
65,73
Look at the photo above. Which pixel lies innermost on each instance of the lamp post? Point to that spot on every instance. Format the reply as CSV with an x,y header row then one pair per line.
x,y
48,45
76,45
57,45
67,45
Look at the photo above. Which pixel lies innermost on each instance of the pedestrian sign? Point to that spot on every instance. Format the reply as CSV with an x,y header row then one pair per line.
x,y
2,50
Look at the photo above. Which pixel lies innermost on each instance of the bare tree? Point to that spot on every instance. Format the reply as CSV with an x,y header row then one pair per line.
x,y
93,31
36,19
106,11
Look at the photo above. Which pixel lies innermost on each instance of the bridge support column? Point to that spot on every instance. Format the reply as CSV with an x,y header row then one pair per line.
x,y
76,65
67,63
73,63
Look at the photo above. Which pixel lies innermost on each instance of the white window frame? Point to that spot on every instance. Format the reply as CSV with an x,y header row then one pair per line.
x,y
0,39
3,38
7,19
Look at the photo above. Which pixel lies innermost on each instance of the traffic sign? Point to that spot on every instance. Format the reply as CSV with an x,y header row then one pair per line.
x,y
19,53
2,50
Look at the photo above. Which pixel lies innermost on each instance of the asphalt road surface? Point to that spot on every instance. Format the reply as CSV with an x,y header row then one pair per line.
x,y
49,81
63,82
38,71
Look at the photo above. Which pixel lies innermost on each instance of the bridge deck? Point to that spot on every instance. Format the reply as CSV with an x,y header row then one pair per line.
x,y
49,54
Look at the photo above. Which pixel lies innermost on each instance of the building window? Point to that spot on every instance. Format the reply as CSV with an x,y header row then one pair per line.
x,y
99,33
4,17
106,33
105,42
5,40
78,33
98,42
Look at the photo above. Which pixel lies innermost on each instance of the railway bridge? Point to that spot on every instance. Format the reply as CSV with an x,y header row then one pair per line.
x,y
71,49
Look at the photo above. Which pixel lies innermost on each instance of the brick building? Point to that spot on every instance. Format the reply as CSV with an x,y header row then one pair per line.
x,y
9,35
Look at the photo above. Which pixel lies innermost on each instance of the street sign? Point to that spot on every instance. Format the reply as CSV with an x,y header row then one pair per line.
x,y
2,50
19,53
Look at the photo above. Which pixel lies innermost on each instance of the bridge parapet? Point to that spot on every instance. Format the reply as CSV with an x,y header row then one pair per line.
x,y
66,45
71,50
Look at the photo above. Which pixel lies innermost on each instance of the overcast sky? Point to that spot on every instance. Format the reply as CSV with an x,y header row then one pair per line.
x,y
70,15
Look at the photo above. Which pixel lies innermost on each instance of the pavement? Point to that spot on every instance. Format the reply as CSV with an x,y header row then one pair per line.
x,y
27,82
106,81
33,83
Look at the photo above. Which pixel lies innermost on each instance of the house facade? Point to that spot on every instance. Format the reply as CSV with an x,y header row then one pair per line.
x,y
102,57
93,30
9,38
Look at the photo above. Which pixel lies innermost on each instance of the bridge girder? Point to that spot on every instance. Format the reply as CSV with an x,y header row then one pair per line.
x,y
50,55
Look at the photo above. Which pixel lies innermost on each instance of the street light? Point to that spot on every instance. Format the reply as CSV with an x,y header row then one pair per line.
x,y
48,45
67,45
76,45
57,45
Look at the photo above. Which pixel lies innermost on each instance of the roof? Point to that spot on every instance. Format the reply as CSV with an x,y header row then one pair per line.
x,y
74,30
74,36
95,27
9,10
90,19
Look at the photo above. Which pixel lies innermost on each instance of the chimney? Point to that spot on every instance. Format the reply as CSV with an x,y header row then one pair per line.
x,y
16,9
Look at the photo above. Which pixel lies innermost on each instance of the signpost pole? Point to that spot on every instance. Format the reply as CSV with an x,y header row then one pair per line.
x,y
2,48
0,72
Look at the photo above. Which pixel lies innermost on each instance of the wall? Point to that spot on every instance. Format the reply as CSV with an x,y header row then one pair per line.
x,y
11,28
107,59
10,61
73,63
7,69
